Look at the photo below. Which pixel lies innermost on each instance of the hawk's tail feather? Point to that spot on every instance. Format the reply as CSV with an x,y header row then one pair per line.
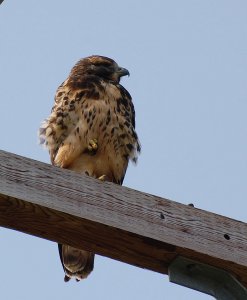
x,y
76,263
66,278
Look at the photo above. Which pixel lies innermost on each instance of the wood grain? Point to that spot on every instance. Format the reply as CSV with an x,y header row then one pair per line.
x,y
114,221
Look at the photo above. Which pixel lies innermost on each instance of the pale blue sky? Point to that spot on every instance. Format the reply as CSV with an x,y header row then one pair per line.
x,y
188,66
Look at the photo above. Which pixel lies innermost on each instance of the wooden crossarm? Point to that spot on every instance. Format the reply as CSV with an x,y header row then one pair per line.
x,y
127,225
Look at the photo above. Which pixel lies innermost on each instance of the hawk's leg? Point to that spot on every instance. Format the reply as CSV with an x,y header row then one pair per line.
x,y
92,145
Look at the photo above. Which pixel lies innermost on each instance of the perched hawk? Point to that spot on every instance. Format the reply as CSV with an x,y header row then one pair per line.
x,y
91,130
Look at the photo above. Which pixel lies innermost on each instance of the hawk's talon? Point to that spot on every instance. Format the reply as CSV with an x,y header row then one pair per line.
x,y
92,145
102,177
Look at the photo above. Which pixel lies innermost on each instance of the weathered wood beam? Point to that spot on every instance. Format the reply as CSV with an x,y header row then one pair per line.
x,y
114,221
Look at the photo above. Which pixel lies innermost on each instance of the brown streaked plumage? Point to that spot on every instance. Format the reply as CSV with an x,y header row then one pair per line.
x,y
91,130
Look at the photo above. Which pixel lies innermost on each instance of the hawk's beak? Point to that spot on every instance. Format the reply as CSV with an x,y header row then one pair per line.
x,y
123,72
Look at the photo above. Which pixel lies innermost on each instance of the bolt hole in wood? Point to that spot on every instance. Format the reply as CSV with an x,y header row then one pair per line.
x,y
162,216
227,237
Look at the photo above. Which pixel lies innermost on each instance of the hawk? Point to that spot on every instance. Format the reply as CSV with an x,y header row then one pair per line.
x,y
91,130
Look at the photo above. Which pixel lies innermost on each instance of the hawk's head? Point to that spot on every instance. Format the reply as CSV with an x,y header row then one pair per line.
x,y
101,66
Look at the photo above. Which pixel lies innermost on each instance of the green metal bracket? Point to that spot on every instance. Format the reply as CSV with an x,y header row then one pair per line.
x,y
206,279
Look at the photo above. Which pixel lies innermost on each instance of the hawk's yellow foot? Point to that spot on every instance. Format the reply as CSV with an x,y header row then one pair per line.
x,y
92,145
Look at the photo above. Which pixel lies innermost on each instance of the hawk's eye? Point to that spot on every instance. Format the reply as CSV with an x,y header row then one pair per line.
x,y
103,69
